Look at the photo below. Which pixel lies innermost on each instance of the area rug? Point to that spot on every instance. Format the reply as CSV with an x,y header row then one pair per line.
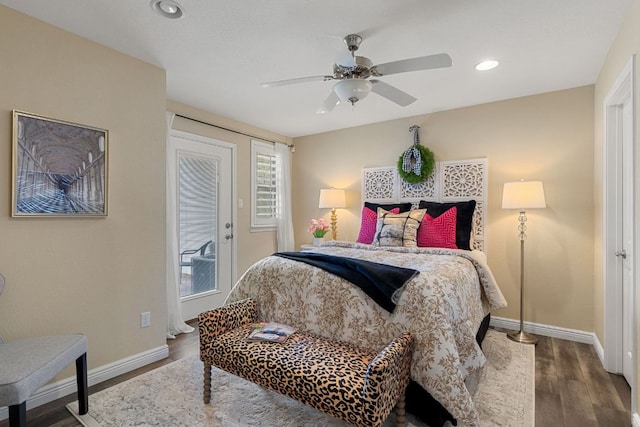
x,y
503,392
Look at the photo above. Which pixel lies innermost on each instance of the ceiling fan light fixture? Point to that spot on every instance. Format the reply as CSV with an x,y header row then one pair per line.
x,y
169,9
352,90
487,65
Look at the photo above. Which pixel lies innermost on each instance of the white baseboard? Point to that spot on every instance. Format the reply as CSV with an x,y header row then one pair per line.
x,y
56,390
546,330
635,420
599,350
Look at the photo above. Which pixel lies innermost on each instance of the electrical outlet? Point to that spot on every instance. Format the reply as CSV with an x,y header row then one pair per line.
x,y
145,319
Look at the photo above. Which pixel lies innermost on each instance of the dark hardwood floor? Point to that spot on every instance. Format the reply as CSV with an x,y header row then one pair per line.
x,y
572,388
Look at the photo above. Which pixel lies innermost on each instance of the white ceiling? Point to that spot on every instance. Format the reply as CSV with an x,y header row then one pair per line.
x,y
217,55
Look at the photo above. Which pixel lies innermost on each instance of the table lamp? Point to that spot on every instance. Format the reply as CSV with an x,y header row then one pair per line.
x,y
332,198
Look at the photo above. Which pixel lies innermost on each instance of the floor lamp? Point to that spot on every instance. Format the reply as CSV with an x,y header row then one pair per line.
x,y
332,198
522,195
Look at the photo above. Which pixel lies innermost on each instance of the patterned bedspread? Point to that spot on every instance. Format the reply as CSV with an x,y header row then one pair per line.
x,y
442,307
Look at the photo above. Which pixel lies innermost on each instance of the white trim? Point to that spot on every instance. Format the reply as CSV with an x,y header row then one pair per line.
x,y
598,348
620,91
64,387
545,330
635,420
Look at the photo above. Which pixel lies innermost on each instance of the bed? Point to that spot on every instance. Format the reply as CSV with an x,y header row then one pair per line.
x,y
443,306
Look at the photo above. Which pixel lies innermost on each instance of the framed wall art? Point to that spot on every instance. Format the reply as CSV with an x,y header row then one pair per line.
x,y
59,168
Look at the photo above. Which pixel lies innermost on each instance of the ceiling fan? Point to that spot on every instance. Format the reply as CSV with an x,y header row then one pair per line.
x,y
353,73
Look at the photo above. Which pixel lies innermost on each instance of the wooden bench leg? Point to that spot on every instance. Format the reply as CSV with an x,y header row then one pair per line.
x,y
83,387
207,383
18,415
400,412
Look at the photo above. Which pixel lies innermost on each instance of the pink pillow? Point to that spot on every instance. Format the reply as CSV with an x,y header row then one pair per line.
x,y
368,224
438,232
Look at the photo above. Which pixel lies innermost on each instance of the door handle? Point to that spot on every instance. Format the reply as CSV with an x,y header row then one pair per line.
x,y
622,254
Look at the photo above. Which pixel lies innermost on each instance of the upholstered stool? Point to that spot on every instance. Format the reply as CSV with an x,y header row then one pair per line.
x,y
28,364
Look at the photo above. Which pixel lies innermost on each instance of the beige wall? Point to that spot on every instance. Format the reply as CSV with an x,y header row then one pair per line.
x,y
97,275
90,275
626,45
547,137
251,246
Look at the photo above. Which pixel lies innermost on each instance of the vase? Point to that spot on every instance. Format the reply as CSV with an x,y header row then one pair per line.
x,y
317,241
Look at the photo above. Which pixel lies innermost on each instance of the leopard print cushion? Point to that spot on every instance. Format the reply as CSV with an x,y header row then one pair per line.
x,y
358,386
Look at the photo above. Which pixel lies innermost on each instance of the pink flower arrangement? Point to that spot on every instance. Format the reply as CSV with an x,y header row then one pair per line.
x,y
318,227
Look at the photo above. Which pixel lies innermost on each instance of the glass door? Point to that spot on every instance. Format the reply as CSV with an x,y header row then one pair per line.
x,y
204,221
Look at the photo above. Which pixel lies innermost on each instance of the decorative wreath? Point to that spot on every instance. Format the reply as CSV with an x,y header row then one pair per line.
x,y
427,162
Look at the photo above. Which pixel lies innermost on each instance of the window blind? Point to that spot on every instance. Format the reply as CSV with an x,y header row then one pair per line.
x,y
198,188
265,185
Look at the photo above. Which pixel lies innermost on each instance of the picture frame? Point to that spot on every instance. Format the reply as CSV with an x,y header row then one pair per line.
x,y
59,168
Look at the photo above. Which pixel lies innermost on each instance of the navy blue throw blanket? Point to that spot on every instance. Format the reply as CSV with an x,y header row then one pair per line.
x,y
379,281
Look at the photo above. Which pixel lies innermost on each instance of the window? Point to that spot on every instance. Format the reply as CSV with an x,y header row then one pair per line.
x,y
263,186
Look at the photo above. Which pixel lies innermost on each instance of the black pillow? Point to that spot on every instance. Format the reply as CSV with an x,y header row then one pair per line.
x,y
464,220
404,207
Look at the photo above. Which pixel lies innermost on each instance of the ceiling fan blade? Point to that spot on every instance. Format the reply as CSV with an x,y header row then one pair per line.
x,y
392,93
440,60
329,103
297,80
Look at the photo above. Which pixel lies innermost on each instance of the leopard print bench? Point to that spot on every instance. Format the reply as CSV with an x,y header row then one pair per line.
x,y
355,385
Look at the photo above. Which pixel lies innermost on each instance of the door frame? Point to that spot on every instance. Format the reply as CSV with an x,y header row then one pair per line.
x,y
234,179
621,92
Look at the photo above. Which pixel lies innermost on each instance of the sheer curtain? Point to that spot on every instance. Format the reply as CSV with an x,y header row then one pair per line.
x,y
175,325
284,221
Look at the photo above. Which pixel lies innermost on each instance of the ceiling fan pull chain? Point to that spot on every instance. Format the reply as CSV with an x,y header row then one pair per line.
x,y
411,159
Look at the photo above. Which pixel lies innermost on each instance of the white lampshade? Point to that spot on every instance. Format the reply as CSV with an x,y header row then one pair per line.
x,y
332,198
523,195
352,90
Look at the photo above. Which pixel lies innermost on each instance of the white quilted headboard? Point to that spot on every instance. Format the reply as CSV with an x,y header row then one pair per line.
x,y
451,181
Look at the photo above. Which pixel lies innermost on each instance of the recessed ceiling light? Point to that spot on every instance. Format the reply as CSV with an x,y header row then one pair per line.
x,y
487,65
167,8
